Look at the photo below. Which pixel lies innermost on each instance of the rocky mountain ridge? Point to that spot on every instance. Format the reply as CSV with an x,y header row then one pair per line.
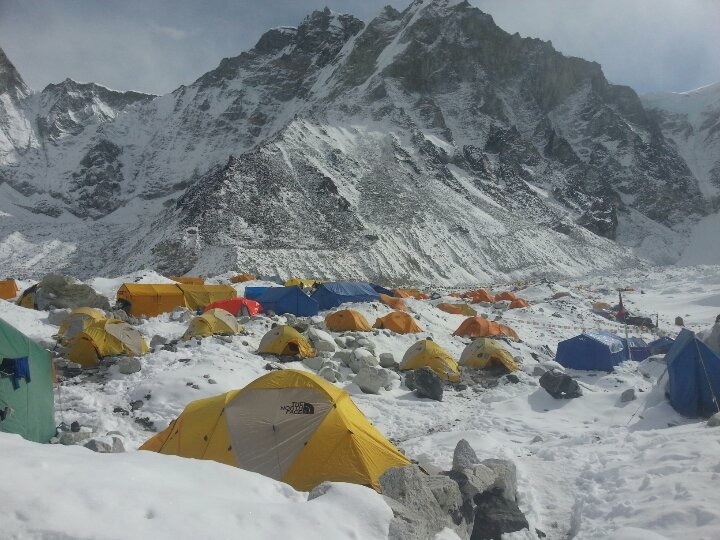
x,y
428,144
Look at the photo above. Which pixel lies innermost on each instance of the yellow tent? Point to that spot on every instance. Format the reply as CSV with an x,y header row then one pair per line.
x,y
242,278
284,340
107,337
399,322
27,298
8,289
347,320
199,296
144,299
288,425
188,280
213,321
427,353
484,353
302,283
77,321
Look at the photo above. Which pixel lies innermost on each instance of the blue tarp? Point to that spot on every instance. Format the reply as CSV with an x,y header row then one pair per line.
x,y
661,345
330,295
288,300
694,376
253,293
638,350
592,351
381,290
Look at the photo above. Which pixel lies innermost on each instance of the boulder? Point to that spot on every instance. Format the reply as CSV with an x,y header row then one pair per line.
x,y
314,363
343,357
679,321
329,374
387,360
410,380
365,343
103,446
560,294
340,342
538,371
464,457
428,384
502,305
128,365
301,326
447,494
471,482
73,437
714,420
495,516
56,292
371,379
321,341
628,395
560,385
505,476
57,316
157,341
360,358
290,319
181,314
119,314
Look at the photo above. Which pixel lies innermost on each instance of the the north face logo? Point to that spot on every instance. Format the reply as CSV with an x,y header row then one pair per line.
x,y
298,407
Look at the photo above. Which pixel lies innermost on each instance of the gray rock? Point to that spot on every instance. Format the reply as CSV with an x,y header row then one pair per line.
x,y
372,379
343,357
679,321
471,482
505,476
73,437
537,439
714,420
137,404
157,341
329,374
57,316
181,314
290,319
560,385
350,342
102,446
314,363
301,326
212,381
321,341
495,516
366,343
340,342
447,494
119,314
56,292
360,358
538,371
464,457
428,384
319,490
224,339
628,395
410,380
387,360
128,365
244,319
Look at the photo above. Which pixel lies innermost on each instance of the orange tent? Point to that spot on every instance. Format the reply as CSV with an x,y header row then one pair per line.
x,y
507,295
480,295
188,280
400,293
8,289
398,322
410,293
457,309
395,303
347,320
518,303
480,327
242,278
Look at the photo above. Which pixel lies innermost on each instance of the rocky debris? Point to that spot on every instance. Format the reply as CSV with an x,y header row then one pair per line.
x,y
137,404
171,346
273,366
119,314
471,482
628,395
505,476
329,374
103,446
366,344
145,423
501,305
67,438
314,363
495,515
538,371
371,379
387,360
181,314
560,294
560,385
360,358
511,378
128,365
321,341
425,383
75,426
57,316
157,341
714,420
447,494
56,292
464,457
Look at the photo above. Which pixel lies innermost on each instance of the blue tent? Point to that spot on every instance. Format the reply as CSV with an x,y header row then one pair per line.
x,y
637,349
381,290
592,351
661,345
694,376
253,293
288,300
330,295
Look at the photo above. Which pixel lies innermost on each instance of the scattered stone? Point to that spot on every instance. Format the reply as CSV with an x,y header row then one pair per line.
x,y
67,438
57,316
679,321
181,314
75,427
372,379
560,385
273,366
350,342
387,360
512,378
184,360
464,457
628,395
128,365
538,371
157,341
224,339
366,343
119,314
428,384
195,387
410,380
145,423
56,292
314,363
495,516
471,482
447,494
170,347
505,476
121,411
244,319
212,381
340,342
321,341
137,404
328,373
102,446
343,357
301,326
714,420
536,439
362,357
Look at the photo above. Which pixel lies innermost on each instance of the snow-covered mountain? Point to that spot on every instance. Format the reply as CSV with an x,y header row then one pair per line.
x,y
428,144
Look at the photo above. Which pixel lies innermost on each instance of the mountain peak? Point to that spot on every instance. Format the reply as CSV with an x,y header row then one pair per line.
x,y
10,80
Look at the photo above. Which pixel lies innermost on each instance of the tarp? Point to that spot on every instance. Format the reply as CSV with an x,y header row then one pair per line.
x,y
661,345
253,293
30,407
199,296
288,300
382,290
289,425
150,300
694,376
330,295
600,351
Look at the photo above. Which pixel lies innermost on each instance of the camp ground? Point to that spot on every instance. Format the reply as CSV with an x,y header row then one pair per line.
x,y
280,396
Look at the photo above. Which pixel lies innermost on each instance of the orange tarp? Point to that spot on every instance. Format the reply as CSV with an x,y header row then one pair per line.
x,y
480,327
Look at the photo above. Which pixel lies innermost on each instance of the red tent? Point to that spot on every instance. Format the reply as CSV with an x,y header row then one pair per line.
x,y
237,306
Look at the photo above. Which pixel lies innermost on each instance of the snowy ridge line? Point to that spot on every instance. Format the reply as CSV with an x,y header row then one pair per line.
x,y
574,327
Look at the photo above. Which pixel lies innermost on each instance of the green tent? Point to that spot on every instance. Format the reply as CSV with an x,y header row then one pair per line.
x,y
26,408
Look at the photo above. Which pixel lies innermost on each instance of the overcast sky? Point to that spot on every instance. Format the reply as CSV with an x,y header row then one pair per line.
x,y
157,45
